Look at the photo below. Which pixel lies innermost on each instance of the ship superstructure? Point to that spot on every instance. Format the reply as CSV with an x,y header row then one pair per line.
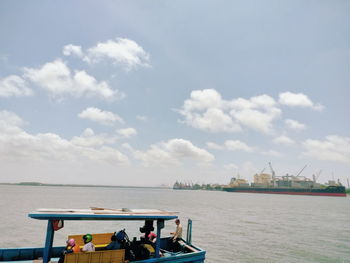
x,y
286,184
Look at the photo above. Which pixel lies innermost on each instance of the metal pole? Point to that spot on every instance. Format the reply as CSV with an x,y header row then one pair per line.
x,y
189,232
160,225
48,242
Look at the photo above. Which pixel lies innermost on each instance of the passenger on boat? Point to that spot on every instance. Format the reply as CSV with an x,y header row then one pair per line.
x,y
71,247
89,246
176,236
152,237
116,242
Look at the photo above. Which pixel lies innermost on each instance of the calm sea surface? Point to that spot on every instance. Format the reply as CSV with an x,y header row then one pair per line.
x,y
231,227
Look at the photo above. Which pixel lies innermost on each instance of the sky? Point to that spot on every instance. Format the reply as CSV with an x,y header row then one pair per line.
x,y
145,93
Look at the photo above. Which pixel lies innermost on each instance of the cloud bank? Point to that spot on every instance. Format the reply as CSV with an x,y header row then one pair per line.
x,y
298,100
16,145
59,81
171,153
103,117
127,132
121,51
334,148
14,86
206,110
231,145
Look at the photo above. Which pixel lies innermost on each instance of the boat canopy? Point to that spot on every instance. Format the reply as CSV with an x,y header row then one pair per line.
x,y
102,214
54,216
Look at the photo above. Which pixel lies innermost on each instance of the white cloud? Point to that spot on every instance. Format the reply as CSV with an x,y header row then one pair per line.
x,y
56,78
171,153
298,100
89,139
14,86
334,148
121,51
214,146
257,119
230,167
142,118
185,149
236,145
263,101
127,132
213,120
284,140
203,99
231,145
70,49
295,125
10,122
272,153
257,113
206,110
16,145
100,116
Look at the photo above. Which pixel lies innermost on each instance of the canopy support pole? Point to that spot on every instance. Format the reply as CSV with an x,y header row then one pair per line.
x,y
160,225
189,232
48,242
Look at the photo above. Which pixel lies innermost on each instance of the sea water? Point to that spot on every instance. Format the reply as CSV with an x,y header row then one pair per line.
x,y
231,227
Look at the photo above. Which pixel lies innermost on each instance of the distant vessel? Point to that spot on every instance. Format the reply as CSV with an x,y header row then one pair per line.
x,y
289,184
182,186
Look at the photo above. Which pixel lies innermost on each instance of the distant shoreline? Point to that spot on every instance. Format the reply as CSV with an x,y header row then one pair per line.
x,y
83,185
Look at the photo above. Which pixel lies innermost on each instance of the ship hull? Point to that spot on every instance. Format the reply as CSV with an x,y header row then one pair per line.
x,y
328,191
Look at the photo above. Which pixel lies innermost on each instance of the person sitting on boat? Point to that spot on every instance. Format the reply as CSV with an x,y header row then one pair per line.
x,y
89,246
116,241
71,247
152,237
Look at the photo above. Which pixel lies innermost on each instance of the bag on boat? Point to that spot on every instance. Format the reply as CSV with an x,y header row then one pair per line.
x,y
57,224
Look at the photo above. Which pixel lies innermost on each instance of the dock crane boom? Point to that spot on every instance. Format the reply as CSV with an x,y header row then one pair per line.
x,y
301,170
272,171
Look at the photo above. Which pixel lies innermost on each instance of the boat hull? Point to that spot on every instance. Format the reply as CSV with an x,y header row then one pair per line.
x,y
328,191
22,254
29,254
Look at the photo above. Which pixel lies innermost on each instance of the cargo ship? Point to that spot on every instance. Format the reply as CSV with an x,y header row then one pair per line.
x,y
288,184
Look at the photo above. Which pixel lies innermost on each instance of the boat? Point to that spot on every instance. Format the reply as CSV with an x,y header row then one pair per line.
x,y
137,250
328,191
265,183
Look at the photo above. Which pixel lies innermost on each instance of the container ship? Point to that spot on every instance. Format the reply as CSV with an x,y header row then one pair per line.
x,y
289,184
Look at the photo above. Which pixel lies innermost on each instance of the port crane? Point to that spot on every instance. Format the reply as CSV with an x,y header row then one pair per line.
x,y
273,174
301,170
315,177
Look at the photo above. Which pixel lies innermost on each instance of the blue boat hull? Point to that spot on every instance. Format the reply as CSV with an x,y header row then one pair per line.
x,y
21,254
30,254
